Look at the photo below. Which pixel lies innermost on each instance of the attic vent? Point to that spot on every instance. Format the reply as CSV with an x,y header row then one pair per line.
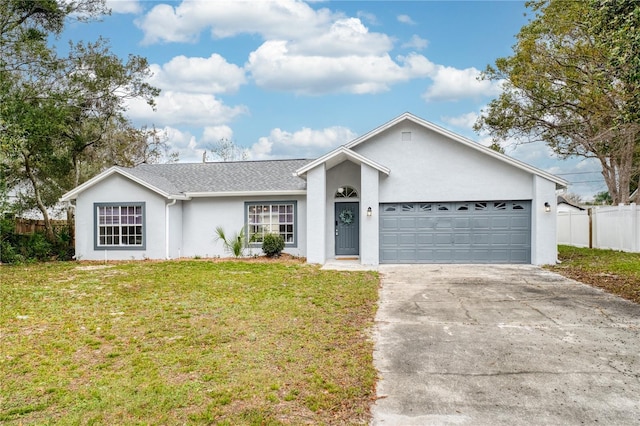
x,y
406,136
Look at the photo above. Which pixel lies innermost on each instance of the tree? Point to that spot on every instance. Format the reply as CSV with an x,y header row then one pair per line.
x,y
227,150
495,145
58,115
572,198
602,198
617,25
560,87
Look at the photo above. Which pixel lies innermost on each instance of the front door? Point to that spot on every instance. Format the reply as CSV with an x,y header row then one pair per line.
x,y
347,229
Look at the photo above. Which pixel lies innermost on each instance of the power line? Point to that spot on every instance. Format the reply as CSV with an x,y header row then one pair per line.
x,y
587,181
575,173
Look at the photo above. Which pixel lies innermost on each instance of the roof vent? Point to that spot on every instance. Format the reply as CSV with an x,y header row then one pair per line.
x,y
406,136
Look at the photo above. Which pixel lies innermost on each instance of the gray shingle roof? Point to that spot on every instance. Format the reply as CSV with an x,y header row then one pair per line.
x,y
238,176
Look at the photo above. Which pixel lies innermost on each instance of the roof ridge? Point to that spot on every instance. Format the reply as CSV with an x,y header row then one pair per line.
x,y
222,162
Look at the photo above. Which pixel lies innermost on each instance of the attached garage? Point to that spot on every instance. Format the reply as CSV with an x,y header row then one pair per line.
x,y
456,232
428,195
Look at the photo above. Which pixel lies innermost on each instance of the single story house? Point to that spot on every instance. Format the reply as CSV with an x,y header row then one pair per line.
x,y
408,191
565,205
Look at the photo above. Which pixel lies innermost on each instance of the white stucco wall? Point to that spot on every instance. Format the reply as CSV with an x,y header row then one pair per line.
x,y
201,216
544,249
369,229
431,167
117,189
191,223
175,230
316,215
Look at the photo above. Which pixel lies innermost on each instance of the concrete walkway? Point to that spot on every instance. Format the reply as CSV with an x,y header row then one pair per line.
x,y
503,345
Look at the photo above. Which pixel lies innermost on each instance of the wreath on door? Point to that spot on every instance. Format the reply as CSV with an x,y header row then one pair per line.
x,y
346,216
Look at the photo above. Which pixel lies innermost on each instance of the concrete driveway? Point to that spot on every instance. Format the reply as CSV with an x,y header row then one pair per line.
x,y
503,345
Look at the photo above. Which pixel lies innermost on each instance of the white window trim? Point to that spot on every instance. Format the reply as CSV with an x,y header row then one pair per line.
x,y
294,203
96,227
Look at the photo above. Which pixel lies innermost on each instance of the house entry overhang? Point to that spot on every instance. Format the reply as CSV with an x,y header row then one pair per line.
x,y
338,156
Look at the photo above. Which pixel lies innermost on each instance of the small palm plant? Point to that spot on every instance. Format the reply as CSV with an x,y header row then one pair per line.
x,y
235,245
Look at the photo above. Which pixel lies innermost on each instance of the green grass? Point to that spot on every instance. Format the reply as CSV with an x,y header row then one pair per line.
x,y
185,342
615,271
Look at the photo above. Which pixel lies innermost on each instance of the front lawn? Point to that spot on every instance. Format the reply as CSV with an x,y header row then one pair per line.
x,y
185,342
615,271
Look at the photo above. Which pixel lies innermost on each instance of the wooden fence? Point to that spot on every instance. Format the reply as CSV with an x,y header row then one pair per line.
x,y
31,226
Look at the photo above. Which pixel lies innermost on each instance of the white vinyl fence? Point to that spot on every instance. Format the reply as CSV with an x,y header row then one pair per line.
x,y
606,227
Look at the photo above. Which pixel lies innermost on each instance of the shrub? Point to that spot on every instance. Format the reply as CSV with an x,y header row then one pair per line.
x,y
272,245
234,244
15,248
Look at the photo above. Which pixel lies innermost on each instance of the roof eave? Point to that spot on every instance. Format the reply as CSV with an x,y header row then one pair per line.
x,y
212,194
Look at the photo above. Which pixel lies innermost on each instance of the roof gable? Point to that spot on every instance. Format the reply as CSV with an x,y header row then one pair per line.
x,y
560,183
73,194
339,155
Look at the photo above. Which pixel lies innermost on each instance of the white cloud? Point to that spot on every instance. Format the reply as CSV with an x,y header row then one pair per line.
x,y
184,143
273,66
345,37
465,121
367,17
405,19
198,75
305,51
416,42
124,6
305,143
283,19
215,133
454,84
178,108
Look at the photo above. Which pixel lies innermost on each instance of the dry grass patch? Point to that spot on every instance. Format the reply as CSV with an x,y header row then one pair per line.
x,y
186,342
614,271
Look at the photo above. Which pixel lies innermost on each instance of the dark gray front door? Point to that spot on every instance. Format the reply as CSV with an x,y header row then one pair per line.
x,y
347,228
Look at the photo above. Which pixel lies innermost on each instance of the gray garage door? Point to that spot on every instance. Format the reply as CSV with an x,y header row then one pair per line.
x,y
462,232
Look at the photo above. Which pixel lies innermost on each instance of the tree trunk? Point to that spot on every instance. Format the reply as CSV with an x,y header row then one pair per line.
x,y
71,224
617,162
48,228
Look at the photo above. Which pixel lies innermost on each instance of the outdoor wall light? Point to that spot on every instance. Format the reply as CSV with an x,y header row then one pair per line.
x,y
547,207
369,211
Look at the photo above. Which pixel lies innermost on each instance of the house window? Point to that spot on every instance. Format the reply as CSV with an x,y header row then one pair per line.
x,y
119,226
346,192
271,218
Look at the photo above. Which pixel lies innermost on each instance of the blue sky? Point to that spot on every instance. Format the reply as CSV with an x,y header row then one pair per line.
x,y
293,79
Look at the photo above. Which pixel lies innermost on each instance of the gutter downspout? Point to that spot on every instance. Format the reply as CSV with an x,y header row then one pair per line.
x,y
166,223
